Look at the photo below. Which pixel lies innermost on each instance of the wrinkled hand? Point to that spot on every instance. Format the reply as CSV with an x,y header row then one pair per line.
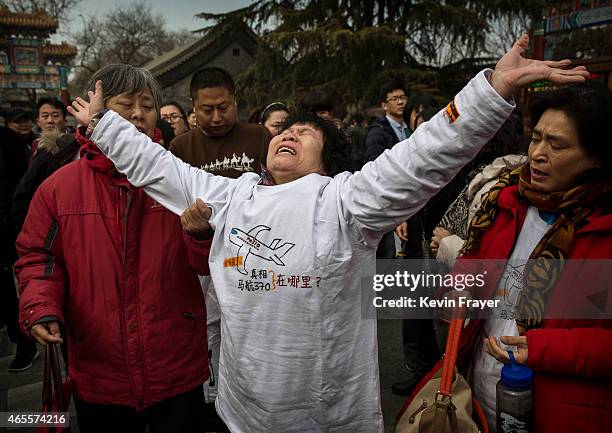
x,y
84,111
439,233
48,332
513,71
195,220
520,354
402,231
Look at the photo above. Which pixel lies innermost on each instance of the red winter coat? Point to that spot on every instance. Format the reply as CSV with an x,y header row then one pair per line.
x,y
571,359
116,269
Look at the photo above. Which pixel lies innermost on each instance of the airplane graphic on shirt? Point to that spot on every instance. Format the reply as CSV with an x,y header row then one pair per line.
x,y
248,241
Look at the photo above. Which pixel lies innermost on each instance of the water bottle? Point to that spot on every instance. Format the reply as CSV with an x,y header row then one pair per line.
x,y
514,406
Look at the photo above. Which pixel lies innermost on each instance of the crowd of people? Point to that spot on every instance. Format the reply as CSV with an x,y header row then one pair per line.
x,y
204,274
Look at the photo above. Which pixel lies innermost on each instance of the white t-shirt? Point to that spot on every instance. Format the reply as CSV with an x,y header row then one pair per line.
x,y
485,370
287,263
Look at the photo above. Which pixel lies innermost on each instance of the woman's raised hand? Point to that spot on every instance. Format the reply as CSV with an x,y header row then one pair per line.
x,y
514,71
84,111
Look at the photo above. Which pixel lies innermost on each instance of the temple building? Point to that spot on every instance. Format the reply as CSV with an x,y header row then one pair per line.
x,y
29,63
231,47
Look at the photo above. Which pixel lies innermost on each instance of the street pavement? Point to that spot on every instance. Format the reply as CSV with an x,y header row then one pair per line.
x,y
25,388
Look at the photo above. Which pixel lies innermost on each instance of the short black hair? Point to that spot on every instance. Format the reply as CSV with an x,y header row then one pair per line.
x,y
177,105
428,113
315,100
211,77
335,154
589,107
388,88
54,102
358,118
508,139
419,100
166,130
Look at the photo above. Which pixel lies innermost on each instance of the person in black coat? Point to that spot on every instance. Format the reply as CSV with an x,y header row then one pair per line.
x,y
54,151
14,157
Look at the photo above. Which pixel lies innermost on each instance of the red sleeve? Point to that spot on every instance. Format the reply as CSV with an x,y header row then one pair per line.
x,y
579,352
197,253
40,268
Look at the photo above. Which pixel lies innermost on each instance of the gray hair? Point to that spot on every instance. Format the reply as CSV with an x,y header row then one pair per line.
x,y
118,79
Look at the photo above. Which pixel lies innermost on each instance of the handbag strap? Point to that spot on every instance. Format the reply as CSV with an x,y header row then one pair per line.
x,y
52,379
56,370
47,389
450,356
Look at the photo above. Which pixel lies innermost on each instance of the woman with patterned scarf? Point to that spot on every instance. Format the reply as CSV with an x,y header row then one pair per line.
x,y
539,219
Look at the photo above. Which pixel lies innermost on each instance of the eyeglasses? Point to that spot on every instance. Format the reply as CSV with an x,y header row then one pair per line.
x,y
402,98
172,117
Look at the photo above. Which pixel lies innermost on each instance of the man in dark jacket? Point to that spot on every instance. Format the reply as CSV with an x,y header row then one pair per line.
x,y
391,129
14,155
20,122
54,151
383,135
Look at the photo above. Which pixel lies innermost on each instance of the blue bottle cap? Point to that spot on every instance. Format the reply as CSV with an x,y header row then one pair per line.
x,y
515,375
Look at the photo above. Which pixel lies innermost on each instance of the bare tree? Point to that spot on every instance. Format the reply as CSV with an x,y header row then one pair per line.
x,y
504,31
135,33
56,8
130,33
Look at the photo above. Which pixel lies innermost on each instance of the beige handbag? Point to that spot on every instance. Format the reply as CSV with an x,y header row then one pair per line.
x,y
444,405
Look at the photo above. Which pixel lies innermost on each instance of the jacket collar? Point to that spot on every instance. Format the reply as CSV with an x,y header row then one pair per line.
x,y
98,162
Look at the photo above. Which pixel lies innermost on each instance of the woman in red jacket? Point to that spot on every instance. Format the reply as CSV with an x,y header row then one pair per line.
x,y
110,270
536,218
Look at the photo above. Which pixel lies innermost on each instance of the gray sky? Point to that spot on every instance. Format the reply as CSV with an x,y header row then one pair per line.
x,y
177,13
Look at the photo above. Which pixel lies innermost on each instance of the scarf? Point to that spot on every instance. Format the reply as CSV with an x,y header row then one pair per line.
x,y
547,260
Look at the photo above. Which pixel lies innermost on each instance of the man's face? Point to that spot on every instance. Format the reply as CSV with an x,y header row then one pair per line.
x,y
22,126
295,152
216,110
50,118
137,108
395,103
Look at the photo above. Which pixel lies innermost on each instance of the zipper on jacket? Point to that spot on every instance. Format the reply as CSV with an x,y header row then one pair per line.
x,y
421,408
128,202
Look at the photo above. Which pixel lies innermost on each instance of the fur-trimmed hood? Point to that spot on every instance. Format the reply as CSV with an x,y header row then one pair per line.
x,y
49,141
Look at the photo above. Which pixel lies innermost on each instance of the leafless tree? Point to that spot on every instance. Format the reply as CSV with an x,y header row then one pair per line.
x,y
130,33
56,8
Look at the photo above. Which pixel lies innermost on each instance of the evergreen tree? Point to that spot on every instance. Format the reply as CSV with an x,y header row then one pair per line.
x,y
351,47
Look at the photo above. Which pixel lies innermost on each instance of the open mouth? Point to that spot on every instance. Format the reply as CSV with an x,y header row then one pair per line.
x,y
285,149
538,174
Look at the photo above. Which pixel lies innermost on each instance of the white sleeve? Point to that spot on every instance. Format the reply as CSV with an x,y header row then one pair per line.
x,y
170,181
448,250
394,186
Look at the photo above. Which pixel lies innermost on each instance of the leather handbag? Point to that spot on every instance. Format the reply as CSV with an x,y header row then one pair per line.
x,y
445,403
56,394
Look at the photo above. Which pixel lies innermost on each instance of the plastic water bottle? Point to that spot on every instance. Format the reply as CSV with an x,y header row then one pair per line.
x,y
514,406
